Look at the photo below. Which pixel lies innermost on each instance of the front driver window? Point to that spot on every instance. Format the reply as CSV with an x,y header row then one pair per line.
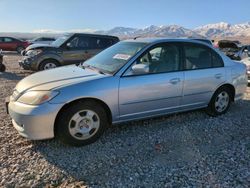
x,y
79,43
8,40
160,59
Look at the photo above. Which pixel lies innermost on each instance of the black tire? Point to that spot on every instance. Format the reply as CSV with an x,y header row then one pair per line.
x,y
64,120
211,109
2,67
44,64
19,49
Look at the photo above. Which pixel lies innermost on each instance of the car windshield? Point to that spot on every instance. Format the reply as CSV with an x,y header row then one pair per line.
x,y
58,42
113,58
36,39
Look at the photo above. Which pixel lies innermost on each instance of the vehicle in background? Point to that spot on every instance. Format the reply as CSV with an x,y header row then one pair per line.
x,y
42,40
123,83
229,48
243,53
13,44
66,50
246,61
2,66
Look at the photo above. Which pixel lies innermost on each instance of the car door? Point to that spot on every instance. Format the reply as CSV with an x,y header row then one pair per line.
x,y
204,72
10,44
76,50
156,92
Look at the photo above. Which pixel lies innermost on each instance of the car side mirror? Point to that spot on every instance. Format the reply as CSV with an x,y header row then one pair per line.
x,y
69,45
140,69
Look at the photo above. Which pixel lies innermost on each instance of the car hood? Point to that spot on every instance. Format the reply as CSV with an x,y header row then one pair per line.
x,y
55,78
39,46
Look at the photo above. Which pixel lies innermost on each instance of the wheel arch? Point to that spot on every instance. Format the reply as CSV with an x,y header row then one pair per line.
x,y
46,57
230,87
67,105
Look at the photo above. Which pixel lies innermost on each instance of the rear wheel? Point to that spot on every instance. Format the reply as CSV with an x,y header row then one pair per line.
x,y
81,123
220,102
48,64
19,49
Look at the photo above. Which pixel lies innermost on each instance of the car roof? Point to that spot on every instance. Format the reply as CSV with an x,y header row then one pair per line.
x,y
92,35
158,40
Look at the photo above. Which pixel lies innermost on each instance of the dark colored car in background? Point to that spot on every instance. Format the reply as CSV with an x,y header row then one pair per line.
x,y
13,44
66,50
230,48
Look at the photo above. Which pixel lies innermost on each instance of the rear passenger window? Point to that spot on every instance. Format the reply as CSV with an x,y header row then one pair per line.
x,y
200,57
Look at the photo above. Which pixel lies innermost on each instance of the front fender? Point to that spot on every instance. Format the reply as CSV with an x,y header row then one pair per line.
x,y
46,56
103,89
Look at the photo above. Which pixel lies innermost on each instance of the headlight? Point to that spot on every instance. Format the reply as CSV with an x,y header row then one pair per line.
x,y
32,53
37,97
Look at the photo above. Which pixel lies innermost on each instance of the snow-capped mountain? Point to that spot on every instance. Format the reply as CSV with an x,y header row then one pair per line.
x,y
151,31
223,29
216,30
119,31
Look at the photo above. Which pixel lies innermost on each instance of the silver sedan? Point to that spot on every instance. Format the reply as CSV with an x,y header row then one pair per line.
x,y
131,80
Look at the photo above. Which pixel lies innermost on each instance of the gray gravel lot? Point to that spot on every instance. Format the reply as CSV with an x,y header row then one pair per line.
x,y
183,150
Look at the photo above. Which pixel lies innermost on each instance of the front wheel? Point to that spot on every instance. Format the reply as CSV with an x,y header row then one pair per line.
x,y
48,64
81,123
220,102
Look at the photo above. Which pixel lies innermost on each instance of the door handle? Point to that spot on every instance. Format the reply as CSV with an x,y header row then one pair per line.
x,y
175,80
218,76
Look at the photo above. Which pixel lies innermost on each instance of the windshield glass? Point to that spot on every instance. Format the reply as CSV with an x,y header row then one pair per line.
x,y
60,40
113,58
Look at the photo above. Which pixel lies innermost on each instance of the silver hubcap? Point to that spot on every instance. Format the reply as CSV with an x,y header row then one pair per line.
x,y
84,124
222,101
49,66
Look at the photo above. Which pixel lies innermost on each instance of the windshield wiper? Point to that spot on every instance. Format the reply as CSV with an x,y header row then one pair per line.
x,y
93,68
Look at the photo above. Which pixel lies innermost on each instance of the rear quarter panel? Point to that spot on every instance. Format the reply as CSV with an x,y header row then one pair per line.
x,y
236,75
239,79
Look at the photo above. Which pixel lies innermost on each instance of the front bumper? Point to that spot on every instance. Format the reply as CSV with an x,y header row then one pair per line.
x,y
28,63
34,122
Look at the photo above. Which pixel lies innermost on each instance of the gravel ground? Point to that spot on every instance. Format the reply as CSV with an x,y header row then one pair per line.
x,y
184,150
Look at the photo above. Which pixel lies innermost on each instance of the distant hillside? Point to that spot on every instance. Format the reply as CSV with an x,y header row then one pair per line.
x,y
28,36
220,30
